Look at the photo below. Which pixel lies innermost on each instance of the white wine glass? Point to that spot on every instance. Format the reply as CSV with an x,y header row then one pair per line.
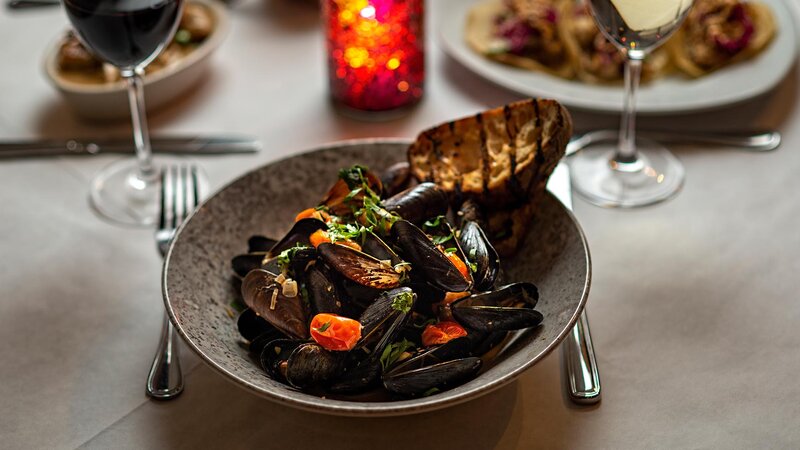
x,y
631,172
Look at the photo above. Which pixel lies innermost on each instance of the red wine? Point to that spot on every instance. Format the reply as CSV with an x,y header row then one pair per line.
x,y
125,33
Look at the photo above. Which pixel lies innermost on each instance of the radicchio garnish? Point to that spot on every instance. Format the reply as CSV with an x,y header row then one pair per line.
x,y
735,44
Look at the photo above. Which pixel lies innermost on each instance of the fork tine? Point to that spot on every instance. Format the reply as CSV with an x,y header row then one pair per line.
x,y
162,219
195,189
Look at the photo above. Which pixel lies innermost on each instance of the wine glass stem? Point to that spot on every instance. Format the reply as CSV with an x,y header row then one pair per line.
x,y
626,150
141,137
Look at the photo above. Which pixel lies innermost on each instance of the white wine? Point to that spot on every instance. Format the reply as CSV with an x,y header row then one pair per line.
x,y
639,26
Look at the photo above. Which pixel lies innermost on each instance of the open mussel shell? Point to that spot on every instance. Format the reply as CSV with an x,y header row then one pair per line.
x,y
359,267
258,243
361,372
505,309
395,178
426,259
251,325
299,234
275,353
376,247
311,365
243,264
381,321
419,203
481,253
422,380
323,296
264,296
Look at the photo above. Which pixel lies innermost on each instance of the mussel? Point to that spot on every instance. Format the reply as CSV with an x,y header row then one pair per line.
x,y
481,254
418,249
419,203
508,308
251,325
258,243
433,368
298,234
300,364
265,297
323,295
360,267
395,178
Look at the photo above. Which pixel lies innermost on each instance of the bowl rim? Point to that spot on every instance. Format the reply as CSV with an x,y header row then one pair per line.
x,y
208,46
368,409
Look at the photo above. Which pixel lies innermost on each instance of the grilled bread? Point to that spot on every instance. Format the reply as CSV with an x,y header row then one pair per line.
x,y
500,159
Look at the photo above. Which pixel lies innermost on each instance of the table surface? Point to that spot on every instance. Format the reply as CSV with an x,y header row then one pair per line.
x,y
694,302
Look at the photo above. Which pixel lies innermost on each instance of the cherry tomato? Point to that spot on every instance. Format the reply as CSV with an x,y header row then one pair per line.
x,y
322,236
453,257
313,213
441,333
334,332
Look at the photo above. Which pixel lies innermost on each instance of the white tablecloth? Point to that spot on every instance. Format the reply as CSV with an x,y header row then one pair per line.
x,y
694,303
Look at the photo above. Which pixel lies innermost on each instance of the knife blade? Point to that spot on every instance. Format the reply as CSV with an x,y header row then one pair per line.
x,y
196,145
583,376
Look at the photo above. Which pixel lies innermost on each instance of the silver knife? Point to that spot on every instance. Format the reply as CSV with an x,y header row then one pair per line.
x,y
196,145
579,360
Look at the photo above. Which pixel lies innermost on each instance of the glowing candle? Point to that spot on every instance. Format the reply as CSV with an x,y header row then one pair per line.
x,y
375,52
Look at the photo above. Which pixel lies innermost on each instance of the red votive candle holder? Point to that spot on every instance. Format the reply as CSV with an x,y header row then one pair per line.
x,y
376,57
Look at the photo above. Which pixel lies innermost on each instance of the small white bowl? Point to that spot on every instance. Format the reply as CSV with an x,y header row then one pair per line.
x,y
107,101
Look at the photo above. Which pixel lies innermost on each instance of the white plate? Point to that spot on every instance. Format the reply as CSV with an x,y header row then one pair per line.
x,y
668,95
105,101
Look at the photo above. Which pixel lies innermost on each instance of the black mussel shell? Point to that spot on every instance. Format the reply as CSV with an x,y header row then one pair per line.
x,y
358,375
289,315
507,308
395,178
251,326
242,264
483,342
419,203
359,267
258,243
426,259
480,252
299,234
375,246
381,321
441,376
454,349
311,365
274,353
323,296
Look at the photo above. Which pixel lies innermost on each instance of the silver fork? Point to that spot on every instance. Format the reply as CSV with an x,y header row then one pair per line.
x,y
179,197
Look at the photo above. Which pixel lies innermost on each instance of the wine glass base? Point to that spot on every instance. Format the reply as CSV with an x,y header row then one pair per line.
x,y
118,195
656,176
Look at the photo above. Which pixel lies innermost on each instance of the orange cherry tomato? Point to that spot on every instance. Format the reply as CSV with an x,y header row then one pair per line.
x,y
442,333
322,236
453,257
335,333
313,213
319,237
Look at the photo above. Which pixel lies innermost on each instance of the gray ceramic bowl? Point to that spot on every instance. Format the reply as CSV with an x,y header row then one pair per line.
x,y
197,275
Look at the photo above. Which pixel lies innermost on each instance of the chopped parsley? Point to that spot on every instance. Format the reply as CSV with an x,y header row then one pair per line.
x,y
285,257
342,231
324,327
403,302
392,352
434,223
354,176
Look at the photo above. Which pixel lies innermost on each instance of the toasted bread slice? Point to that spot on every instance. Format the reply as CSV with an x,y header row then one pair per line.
x,y
499,158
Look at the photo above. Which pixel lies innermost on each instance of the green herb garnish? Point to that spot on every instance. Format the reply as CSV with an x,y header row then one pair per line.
x,y
439,240
285,257
324,327
430,391
403,302
354,176
434,223
392,352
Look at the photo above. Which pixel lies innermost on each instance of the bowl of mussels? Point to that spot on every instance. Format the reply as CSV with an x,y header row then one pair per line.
x,y
385,277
